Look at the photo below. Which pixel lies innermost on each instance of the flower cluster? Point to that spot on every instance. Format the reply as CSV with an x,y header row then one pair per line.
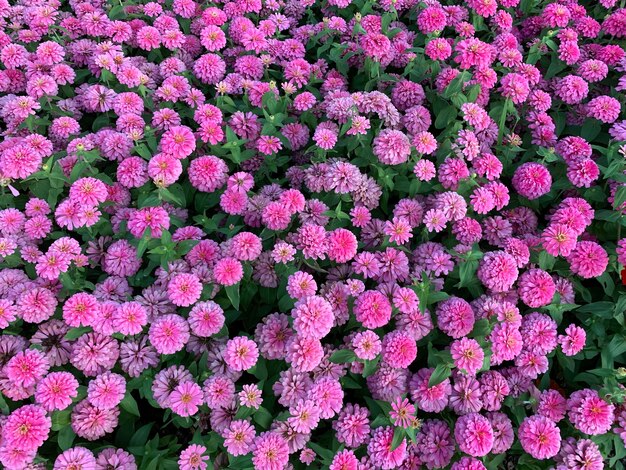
x,y
344,234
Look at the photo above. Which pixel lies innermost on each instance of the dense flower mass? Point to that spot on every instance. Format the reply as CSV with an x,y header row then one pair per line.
x,y
288,234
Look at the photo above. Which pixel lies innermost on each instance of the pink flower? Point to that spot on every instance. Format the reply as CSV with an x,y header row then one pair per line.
x,y
27,367
268,145
435,445
536,288
80,309
559,239
467,355
431,19
532,180
193,458
366,345
178,141
582,454
8,313
604,108
169,334
372,309
92,423
391,147
184,289
270,451
88,192
305,416
589,413
228,271
497,271
455,317
19,162
573,341
206,319
304,354
313,317
26,428
438,49
276,216
435,220
430,399
552,405
239,437
588,259
474,434
56,390
425,144
424,170
301,285
506,342
106,391
352,425
75,457
399,349
540,437
246,246
342,245
398,230
207,173
155,218
241,353
185,398
402,413
250,396
379,449
164,169
515,87
130,318
327,393
468,463
13,458
219,391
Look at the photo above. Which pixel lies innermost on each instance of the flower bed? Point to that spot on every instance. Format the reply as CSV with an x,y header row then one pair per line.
x,y
345,234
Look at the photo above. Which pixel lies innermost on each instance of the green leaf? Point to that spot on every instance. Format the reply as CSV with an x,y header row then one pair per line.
x,y
467,272
66,437
117,12
620,197
154,464
143,242
370,367
481,328
140,437
590,129
244,412
445,117
143,151
398,437
546,261
343,355
327,455
262,417
75,333
233,295
441,373
173,194
242,462
61,419
129,404
602,309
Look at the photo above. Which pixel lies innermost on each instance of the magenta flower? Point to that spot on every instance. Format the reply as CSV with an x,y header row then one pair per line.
x,y
540,437
241,353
